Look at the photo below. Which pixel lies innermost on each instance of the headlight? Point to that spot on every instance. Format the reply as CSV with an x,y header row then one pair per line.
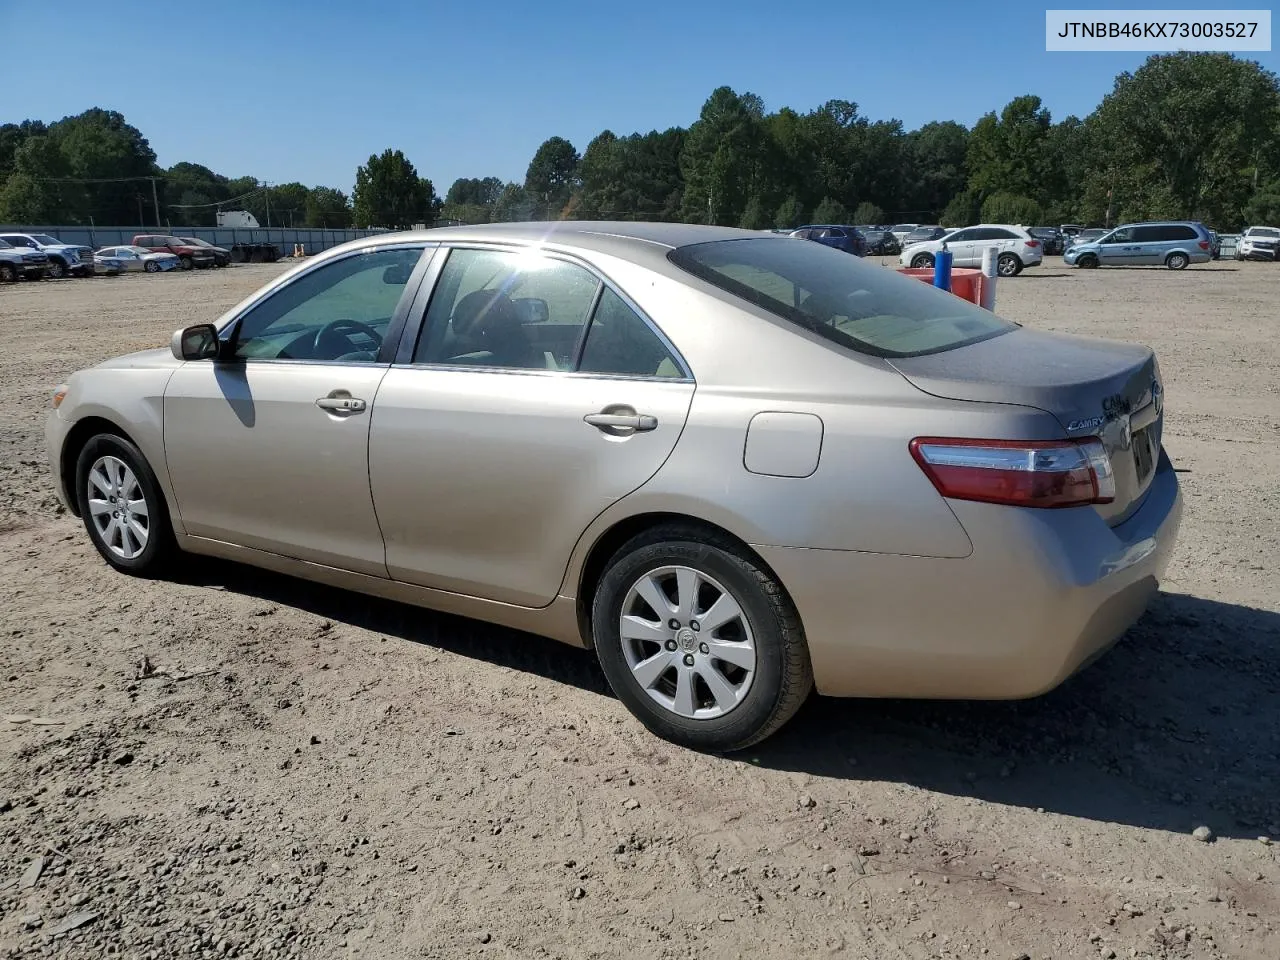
x,y
59,394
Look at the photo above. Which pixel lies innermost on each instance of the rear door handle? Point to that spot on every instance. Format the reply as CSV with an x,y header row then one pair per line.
x,y
638,422
341,404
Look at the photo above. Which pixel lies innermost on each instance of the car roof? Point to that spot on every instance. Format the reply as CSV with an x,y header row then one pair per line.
x,y
643,242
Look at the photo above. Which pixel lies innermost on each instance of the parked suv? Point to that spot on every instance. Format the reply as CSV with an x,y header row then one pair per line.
x,y
17,263
1015,248
65,259
189,254
1173,244
1054,240
837,235
1258,243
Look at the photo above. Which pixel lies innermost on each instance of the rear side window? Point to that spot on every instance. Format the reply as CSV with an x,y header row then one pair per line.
x,y
1150,234
840,298
620,343
1178,231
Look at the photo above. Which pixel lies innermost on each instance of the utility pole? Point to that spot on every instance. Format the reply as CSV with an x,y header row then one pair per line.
x,y
155,202
266,199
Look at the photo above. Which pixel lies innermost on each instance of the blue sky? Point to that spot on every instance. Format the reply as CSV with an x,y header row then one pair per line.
x,y
285,90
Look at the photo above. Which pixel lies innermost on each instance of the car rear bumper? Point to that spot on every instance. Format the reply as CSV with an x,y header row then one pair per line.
x,y
1043,593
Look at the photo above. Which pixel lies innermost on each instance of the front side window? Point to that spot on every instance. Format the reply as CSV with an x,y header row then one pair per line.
x,y
21,242
840,298
1123,235
45,240
494,308
337,312
963,236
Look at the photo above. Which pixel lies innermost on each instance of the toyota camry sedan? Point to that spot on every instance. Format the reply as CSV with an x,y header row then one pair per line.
x,y
737,467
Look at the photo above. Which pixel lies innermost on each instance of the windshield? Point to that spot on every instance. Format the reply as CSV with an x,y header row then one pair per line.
x,y
44,239
5,245
195,241
840,298
1262,232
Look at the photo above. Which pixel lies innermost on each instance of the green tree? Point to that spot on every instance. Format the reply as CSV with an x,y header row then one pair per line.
x,y
790,214
1187,134
1005,151
288,204
552,176
935,168
474,191
753,216
1011,208
724,160
327,207
1263,208
513,203
389,193
100,145
868,212
31,193
831,211
963,210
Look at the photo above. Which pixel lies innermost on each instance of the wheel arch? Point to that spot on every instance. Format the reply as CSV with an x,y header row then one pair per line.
x,y
611,540
77,437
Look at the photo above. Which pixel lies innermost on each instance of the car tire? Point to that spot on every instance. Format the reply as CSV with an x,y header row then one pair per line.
x,y
151,266
770,674
1177,261
1008,265
143,545
8,273
1087,261
922,260
57,269
185,263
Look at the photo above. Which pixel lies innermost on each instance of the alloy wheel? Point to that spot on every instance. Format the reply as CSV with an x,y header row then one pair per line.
x,y
687,642
118,507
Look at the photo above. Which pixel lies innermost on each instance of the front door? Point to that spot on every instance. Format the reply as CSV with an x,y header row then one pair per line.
x,y
534,398
961,246
269,447
1118,248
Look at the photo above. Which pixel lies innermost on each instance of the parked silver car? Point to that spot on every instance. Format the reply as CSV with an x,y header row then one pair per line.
x,y
1169,244
733,464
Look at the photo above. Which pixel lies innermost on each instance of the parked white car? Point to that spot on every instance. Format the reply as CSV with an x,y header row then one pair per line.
x,y
1016,248
140,258
1258,243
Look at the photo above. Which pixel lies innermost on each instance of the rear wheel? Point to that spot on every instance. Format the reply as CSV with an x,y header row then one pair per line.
x,y
922,260
1177,261
1008,265
122,507
1087,261
698,641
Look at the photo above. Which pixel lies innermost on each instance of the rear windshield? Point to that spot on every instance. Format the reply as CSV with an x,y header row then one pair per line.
x,y
842,299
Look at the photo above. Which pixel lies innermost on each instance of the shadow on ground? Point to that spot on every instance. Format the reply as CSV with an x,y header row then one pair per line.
x,y
1179,725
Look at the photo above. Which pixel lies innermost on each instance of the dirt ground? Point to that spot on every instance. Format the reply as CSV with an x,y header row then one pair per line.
x,y
310,773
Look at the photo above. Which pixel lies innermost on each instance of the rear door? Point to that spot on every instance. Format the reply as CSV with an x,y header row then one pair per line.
x,y
1152,244
534,397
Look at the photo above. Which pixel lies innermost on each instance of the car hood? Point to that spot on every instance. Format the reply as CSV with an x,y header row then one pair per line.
x,y
155,359
1089,245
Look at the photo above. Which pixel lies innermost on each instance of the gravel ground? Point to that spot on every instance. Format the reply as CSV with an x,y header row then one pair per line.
x,y
243,765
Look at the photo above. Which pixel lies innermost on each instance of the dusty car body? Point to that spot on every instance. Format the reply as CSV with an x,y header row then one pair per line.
x,y
735,465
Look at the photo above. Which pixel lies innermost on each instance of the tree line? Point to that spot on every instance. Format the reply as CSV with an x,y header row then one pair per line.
x,y
1187,135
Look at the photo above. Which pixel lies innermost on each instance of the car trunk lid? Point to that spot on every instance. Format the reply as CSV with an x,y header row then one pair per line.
x,y
1092,387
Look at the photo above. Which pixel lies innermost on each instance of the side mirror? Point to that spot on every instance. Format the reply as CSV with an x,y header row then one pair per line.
x,y
195,343
532,309
397,274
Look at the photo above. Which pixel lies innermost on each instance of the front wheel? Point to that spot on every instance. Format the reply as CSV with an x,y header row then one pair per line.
x,y
122,507
151,266
1008,265
922,260
57,269
1177,261
8,273
1087,261
699,641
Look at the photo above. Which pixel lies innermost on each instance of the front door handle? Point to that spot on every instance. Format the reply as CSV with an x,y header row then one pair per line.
x,y
341,404
617,422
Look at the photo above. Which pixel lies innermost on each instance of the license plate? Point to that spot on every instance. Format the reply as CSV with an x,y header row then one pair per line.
x,y
1143,455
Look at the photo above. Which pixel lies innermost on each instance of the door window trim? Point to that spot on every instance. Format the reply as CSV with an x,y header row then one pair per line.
x,y
227,333
415,325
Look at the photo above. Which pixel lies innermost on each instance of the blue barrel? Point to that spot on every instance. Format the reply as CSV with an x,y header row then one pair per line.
x,y
942,269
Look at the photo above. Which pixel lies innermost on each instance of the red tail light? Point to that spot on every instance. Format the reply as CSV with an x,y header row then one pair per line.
x,y
1032,243
1204,244
1023,473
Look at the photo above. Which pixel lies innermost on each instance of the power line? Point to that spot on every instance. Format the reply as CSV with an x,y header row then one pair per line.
x,y
94,179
